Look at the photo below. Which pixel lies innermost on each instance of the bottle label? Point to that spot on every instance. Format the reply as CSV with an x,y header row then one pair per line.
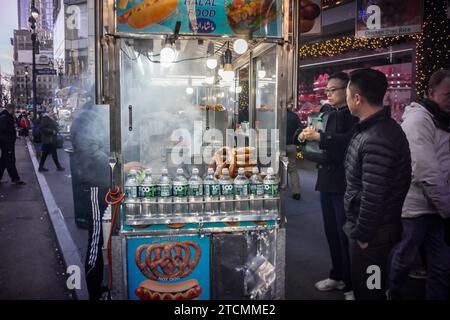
x,y
241,189
131,192
180,190
164,191
196,190
212,190
271,189
147,191
257,189
227,189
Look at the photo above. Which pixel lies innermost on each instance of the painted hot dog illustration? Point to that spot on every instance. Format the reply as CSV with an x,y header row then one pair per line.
x,y
148,12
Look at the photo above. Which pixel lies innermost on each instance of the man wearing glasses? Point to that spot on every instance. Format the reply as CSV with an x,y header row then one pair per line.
x,y
331,181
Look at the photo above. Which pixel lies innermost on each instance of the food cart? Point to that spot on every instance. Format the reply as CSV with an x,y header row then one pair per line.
x,y
172,108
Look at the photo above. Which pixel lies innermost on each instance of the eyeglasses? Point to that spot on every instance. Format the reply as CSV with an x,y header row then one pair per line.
x,y
332,90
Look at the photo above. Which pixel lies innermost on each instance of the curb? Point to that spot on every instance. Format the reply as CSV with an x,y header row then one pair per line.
x,y
66,244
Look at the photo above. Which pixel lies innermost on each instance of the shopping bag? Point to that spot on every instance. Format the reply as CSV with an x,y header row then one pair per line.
x,y
311,150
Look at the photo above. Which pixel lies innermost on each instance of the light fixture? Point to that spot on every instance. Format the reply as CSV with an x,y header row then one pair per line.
x,y
211,61
228,72
34,13
262,72
220,71
238,89
240,46
167,54
189,89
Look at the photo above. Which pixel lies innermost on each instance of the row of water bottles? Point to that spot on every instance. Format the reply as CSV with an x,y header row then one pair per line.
x,y
164,197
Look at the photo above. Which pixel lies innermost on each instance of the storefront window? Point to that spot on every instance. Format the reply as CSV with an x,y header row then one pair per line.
x,y
396,62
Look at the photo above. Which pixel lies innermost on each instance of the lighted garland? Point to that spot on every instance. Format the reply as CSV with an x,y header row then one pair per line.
x,y
432,47
432,50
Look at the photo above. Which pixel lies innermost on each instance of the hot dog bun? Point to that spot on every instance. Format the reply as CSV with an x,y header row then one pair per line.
x,y
152,290
148,12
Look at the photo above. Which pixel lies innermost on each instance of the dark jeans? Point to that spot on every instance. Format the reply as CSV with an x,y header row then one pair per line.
x,y
46,150
334,219
367,283
8,161
427,230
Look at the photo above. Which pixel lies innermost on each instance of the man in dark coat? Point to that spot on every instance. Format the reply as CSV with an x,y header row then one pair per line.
x,y
378,174
49,129
7,144
331,181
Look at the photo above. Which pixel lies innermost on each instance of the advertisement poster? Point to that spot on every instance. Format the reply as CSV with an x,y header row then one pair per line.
x,y
378,18
202,17
169,268
310,17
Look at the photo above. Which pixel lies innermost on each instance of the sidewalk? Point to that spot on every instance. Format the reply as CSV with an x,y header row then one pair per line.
x,y
31,264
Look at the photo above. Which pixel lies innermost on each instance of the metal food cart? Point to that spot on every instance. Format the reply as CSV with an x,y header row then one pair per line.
x,y
178,112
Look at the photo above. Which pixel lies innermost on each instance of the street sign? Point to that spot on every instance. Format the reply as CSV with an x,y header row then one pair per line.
x,y
45,71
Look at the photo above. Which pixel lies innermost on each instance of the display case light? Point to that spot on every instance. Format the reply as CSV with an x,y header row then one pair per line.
x,y
240,46
168,54
262,72
189,89
228,73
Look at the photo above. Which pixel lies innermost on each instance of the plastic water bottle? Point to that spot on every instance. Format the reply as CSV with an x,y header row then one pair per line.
x,y
131,194
212,192
180,193
270,191
241,191
256,192
195,193
226,192
164,192
147,193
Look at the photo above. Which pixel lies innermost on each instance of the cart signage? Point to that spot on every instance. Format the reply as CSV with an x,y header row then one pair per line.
x,y
169,268
201,17
379,18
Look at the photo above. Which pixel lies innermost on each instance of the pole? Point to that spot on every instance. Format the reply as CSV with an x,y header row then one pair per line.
x,y
33,40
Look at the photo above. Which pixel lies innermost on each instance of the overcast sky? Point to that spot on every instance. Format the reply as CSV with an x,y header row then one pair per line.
x,y
8,22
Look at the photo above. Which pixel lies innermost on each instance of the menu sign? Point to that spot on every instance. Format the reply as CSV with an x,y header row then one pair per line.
x,y
378,18
201,17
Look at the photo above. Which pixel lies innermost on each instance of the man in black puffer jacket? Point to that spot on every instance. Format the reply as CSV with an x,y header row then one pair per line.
x,y
378,174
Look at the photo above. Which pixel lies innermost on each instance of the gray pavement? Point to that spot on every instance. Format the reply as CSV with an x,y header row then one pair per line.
x,y
31,264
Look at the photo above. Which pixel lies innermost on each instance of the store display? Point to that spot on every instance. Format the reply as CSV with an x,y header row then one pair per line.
x,y
312,94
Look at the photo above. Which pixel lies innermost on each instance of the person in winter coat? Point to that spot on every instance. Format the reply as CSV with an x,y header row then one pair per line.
x,y
331,181
378,174
7,144
49,130
427,204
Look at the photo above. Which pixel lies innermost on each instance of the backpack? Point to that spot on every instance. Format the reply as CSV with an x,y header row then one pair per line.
x,y
24,123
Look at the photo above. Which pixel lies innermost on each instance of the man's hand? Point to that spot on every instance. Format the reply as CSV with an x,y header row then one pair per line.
x,y
311,134
362,245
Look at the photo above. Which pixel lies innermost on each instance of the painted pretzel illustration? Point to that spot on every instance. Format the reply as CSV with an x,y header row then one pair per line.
x,y
167,260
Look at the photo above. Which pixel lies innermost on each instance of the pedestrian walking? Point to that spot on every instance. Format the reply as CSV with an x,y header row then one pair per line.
x,y
427,128
331,181
7,144
378,174
49,130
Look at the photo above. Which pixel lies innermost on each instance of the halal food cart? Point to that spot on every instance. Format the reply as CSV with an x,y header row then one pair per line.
x,y
193,85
